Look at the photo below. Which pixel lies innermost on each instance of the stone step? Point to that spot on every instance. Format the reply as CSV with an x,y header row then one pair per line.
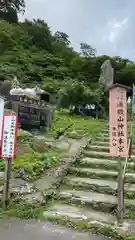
x,y
93,173
99,154
99,185
99,163
100,143
105,130
103,135
95,185
102,163
96,154
100,174
98,201
101,138
77,214
95,147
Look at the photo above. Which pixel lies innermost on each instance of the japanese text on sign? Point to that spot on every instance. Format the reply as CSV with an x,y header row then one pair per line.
x,y
114,136
9,131
118,121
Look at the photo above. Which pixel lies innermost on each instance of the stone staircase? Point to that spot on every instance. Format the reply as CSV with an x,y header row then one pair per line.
x,y
89,191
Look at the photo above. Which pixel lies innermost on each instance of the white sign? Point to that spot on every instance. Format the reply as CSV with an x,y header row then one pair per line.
x,y
9,134
1,115
133,100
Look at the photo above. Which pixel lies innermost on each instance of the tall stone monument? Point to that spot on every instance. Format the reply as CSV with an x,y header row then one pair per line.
x,y
107,75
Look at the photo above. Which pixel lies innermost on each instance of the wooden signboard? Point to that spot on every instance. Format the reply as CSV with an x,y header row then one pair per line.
x,y
118,120
8,148
9,132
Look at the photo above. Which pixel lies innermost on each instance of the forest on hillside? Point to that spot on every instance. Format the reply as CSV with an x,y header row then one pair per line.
x,y
31,52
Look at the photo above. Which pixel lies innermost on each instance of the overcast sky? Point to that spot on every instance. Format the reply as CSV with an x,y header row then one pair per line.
x,y
107,25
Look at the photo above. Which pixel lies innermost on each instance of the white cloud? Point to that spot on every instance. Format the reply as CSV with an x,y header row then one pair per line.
x,y
100,23
121,23
112,36
117,28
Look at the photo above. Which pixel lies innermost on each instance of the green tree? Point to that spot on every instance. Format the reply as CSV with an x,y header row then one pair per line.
x,y
126,75
10,8
76,93
30,51
11,15
62,38
39,33
18,5
87,50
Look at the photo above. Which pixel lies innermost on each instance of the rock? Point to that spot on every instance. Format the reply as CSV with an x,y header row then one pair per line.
x,y
125,227
34,198
20,190
26,133
73,134
63,145
44,183
20,187
18,182
22,148
40,145
39,135
20,173
23,133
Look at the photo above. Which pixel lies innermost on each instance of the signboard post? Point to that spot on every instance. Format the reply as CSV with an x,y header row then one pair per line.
x,y
8,149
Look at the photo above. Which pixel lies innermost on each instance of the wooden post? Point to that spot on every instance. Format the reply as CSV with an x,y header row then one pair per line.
x,y
6,181
120,213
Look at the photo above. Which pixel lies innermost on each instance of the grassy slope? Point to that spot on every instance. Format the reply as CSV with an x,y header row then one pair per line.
x,y
80,126
35,156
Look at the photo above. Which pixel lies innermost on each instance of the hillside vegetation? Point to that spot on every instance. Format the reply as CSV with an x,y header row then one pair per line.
x,y
36,56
